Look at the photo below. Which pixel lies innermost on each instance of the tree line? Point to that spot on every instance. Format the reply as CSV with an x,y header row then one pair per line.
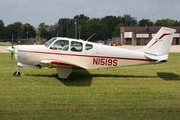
x,y
80,27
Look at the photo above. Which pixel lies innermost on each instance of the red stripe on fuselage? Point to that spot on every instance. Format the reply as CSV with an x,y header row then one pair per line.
x,y
92,56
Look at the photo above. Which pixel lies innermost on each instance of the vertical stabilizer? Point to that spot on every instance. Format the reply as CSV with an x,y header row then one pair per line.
x,y
160,44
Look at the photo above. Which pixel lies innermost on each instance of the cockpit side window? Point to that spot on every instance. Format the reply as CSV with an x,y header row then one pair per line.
x,y
88,46
76,46
60,45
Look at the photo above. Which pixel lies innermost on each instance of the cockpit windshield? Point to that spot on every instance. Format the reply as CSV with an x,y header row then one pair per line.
x,y
49,42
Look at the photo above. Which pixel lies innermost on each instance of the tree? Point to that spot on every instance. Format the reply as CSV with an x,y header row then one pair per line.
x,y
81,23
166,22
116,31
74,27
19,31
1,29
128,20
63,26
1,23
95,26
82,18
15,29
29,30
44,31
145,22
110,23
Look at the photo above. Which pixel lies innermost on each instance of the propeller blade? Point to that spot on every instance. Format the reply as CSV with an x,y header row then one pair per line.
x,y
12,43
12,54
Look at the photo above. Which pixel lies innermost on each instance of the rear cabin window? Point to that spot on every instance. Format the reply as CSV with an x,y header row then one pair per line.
x,y
76,46
88,46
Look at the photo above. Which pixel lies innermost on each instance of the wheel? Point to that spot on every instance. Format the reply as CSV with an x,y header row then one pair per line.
x,y
17,73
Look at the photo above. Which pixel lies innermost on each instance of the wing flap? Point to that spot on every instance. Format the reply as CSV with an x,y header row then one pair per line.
x,y
56,63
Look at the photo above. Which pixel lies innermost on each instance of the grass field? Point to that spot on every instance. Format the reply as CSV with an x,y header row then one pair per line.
x,y
4,44
149,92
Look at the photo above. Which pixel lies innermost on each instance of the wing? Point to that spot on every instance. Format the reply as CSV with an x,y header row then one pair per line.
x,y
63,68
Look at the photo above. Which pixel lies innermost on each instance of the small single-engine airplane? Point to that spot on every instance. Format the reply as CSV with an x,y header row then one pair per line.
x,y
66,54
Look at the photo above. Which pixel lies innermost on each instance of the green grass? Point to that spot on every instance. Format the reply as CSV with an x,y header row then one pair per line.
x,y
2,44
149,92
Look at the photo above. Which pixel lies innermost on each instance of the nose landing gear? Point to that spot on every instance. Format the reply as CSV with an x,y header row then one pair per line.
x,y
17,72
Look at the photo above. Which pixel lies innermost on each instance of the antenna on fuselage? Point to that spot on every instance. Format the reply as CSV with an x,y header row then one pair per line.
x,y
90,36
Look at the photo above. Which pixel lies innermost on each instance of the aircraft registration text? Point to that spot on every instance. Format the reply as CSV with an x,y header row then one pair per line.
x,y
105,61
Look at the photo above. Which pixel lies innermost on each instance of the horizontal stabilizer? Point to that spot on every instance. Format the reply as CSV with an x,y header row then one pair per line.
x,y
162,58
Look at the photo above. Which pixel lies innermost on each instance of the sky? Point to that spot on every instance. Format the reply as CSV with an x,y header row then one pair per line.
x,y
35,12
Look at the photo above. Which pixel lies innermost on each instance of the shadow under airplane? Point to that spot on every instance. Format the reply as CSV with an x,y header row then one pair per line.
x,y
168,76
82,77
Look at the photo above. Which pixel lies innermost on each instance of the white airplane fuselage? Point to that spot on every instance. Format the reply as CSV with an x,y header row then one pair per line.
x,y
101,56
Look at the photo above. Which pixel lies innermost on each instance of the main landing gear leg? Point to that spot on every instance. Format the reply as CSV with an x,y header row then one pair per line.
x,y
17,72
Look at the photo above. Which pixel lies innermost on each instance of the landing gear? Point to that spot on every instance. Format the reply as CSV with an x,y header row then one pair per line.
x,y
63,72
17,72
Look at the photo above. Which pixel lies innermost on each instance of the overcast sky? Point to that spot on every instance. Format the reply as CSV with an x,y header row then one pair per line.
x,y
35,12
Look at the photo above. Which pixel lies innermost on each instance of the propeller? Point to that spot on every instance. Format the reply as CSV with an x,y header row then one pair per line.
x,y
12,43
12,48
